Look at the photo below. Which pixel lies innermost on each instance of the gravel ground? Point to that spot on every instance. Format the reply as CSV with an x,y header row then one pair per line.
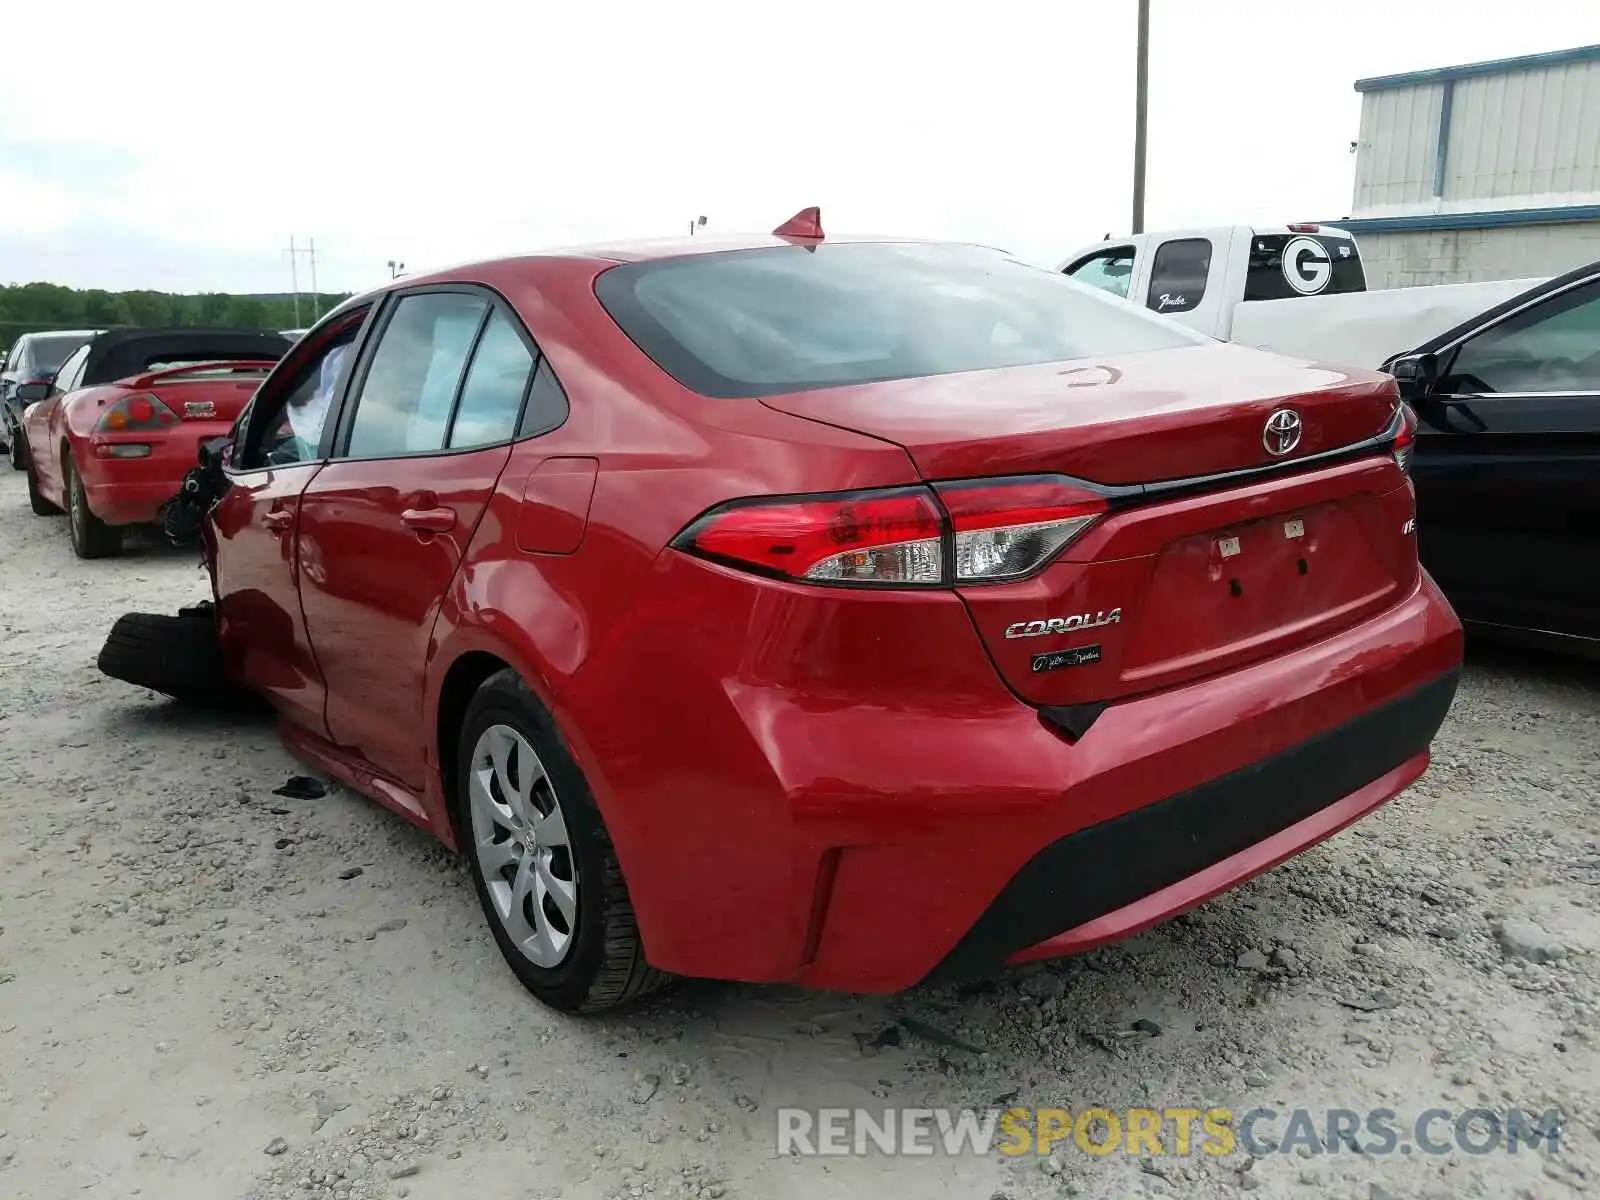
x,y
207,990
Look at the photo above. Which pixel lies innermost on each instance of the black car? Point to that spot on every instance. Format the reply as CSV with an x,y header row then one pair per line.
x,y
1507,465
35,356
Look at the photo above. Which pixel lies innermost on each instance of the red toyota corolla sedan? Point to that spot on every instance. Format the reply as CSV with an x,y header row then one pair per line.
x,y
842,612
109,440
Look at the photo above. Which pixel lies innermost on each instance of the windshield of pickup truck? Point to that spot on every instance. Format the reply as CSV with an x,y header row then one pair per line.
x,y
748,323
1284,265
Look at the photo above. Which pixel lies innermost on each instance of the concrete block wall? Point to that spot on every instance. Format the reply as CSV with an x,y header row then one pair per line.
x,y
1412,259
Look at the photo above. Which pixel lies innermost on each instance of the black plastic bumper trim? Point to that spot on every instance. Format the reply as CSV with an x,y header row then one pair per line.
x,y
1073,719
1104,867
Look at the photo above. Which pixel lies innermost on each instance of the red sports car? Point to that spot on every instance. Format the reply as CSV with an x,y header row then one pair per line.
x,y
842,612
110,439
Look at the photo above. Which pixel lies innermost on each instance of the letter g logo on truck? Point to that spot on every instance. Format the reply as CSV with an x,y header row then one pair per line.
x,y
1306,266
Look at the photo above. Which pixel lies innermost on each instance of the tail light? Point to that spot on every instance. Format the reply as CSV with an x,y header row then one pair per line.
x,y
1405,439
883,537
136,414
984,531
1010,528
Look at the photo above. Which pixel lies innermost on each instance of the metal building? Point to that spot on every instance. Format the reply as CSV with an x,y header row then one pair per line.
x,y
1485,171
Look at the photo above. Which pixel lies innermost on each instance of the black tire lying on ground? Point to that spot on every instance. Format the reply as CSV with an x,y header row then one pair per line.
x,y
177,656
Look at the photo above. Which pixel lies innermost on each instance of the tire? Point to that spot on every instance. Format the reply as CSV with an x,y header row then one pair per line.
x,y
91,537
17,449
36,499
601,964
176,656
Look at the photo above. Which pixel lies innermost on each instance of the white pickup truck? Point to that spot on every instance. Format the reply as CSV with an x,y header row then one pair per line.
x,y
1297,289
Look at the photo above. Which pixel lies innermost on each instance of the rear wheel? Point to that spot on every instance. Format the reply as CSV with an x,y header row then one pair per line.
x,y
176,656
18,448
36,499
91,537
542,862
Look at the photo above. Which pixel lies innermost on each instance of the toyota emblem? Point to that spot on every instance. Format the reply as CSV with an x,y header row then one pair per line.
x,y
1282,433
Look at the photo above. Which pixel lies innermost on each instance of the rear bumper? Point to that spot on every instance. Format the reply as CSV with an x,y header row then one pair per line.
x,y
865,840
135,491
1120,876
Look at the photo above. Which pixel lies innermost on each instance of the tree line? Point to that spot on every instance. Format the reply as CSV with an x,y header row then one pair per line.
x,y
33,307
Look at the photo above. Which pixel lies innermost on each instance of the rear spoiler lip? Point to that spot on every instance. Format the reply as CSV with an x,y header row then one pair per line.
x,y
151,378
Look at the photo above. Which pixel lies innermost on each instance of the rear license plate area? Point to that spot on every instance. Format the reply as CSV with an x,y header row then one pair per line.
x,y
1218,591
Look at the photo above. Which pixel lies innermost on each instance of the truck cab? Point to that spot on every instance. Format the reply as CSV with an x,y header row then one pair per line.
x,y
1201,276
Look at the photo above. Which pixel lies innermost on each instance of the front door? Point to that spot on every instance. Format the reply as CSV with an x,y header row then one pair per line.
x,y
251,530
385,525
1508,468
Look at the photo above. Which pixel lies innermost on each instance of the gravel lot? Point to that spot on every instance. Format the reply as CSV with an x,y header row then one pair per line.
x,y
210,991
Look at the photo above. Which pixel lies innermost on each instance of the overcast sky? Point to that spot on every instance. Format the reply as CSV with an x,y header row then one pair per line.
x,y
179,145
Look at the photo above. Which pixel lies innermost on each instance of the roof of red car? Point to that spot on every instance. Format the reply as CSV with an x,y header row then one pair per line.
x,y
628,251
643,249
678,247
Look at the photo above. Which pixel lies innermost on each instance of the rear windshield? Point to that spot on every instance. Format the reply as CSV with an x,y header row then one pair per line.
x,y
1283,265
747,323
48,353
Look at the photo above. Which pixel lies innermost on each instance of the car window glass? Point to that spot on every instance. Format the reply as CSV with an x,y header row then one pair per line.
x,y
411,382
763,322
491,399
1110,272
547,402
294,432
1284,265
1552,347
71,370
50,352
1178,275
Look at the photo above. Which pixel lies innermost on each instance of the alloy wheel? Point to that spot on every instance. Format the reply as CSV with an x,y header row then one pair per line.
x,y
521,845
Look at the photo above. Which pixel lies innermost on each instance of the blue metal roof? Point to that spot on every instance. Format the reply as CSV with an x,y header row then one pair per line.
x,y
1495,66
1497,219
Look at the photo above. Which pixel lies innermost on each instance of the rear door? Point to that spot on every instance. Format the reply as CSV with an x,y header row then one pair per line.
x,y
384,526
250,532
1508,467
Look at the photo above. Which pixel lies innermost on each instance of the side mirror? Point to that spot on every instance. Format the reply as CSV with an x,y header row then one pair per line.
x,y
218,452
30,393
1417,375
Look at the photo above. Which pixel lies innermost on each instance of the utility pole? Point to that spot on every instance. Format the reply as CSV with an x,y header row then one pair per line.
x,y
316,300
396,268
294,277
1141,103
697,223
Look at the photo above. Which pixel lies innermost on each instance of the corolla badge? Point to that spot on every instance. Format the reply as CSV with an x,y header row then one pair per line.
x,y
1282,432
1070,624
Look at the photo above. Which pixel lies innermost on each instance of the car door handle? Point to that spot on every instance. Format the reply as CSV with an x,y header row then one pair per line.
x,y
429,520
278,520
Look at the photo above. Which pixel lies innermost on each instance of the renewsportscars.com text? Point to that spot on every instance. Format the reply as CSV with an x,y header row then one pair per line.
x,y
1176,1131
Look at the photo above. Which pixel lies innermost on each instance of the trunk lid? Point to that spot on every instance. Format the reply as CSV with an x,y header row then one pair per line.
x,y
1172,583
208,401
205,396
1138,418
